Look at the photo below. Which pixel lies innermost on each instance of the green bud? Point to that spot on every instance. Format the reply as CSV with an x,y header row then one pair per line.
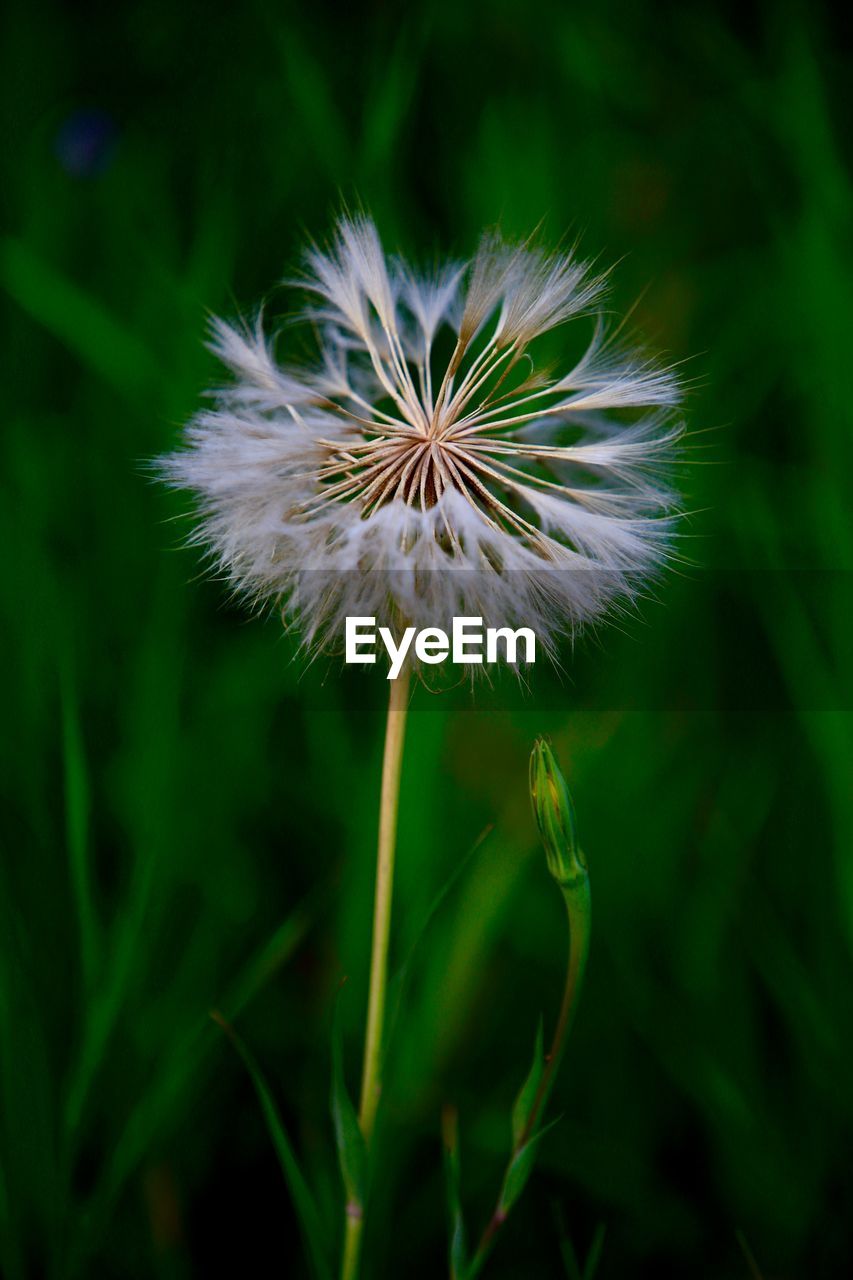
x,y
555,817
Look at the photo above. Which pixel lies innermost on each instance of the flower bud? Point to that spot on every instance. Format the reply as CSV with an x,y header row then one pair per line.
x,y
555,817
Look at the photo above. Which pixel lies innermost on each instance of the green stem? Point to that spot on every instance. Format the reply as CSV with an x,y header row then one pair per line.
x,y
352,1244
371,1079
577,899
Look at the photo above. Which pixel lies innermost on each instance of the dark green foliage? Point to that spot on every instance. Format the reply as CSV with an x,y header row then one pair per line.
x,y
349,1140
457,1248
523,1107
316,1242
174,788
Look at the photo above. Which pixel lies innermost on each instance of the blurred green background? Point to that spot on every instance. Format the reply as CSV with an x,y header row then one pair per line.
x,y
188,824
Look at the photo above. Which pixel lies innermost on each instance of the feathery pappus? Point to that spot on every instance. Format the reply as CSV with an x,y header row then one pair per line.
x,y
423,466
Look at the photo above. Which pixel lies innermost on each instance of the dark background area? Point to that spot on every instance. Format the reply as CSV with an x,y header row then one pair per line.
x,y
189,823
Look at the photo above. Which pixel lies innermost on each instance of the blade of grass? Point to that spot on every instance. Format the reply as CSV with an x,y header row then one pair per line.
x,y
104,1007
568,1252
522,1110
391,92
319,116
77,827
400,978
77,319
153,737
754,1269
303,1200
168,1093
457,1249
593,1257
349,1139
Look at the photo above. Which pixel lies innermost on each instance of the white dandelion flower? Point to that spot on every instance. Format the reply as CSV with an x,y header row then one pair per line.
x,y
423,467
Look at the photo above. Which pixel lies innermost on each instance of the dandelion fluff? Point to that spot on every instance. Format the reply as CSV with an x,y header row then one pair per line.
x,y
423,467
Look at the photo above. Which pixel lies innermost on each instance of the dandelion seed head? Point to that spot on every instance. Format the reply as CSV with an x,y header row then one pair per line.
x,y
424,466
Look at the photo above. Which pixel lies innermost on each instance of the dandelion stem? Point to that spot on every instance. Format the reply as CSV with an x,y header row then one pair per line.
x,y
352,1247
391,767
371,1080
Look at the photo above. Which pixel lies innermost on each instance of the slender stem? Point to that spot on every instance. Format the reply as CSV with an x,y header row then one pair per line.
x,y
577,901
352,1245
395,730
579,921
371,1080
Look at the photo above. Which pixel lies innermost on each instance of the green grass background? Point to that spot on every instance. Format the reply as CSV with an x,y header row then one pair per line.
x,y
187,823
